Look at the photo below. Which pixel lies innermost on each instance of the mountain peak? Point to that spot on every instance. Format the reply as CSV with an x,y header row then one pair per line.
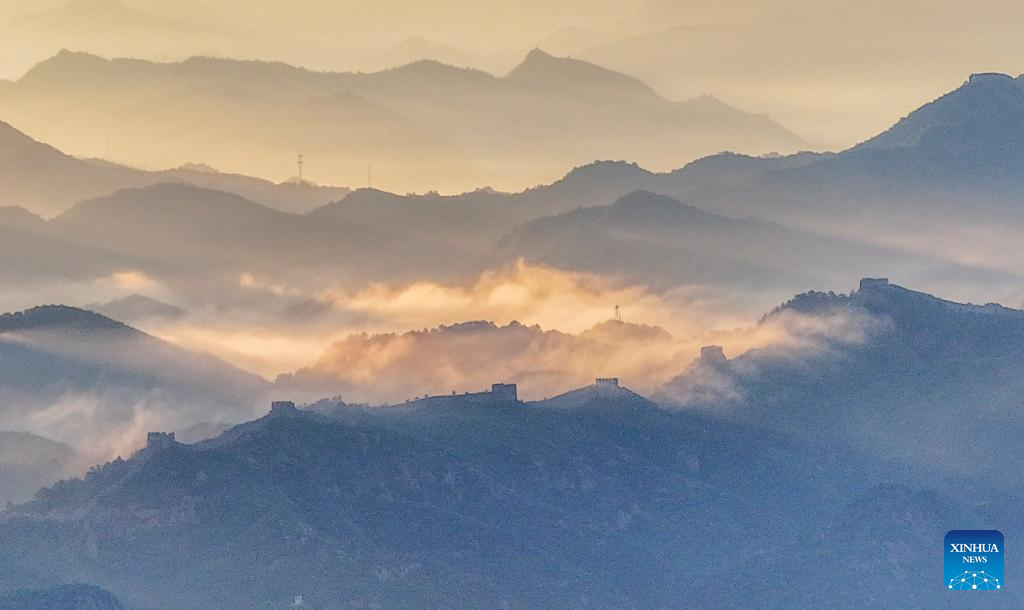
x,y
65,64
601,393
538,63
537,55
544,69
59,316
646,198
605,171
653,206
436,69
987,109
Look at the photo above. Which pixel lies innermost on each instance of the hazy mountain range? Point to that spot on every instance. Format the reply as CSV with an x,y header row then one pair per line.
x,y
38,177
752,54
922,175
420,126
664,243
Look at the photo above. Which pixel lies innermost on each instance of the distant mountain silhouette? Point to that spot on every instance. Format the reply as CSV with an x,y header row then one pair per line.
x,y
957,159
31,253
978,115
511,131
658,240
178,227
475,219
965,138
479,218
906,190
45,180
542,70
948,172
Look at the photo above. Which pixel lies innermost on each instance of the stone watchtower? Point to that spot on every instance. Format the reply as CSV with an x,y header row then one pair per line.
x,y
283,407
874,282
713,354
606,386
160,440
505,391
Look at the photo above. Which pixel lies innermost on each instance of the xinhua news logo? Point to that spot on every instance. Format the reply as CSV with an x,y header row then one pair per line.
x,y
974,560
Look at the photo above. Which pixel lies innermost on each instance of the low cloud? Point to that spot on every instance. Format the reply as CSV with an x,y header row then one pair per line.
x,y
391,367
533,294
547,330
281,328
787,336
387,368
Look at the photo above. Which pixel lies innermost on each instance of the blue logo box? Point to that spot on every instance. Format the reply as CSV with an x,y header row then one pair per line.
x,y
974,560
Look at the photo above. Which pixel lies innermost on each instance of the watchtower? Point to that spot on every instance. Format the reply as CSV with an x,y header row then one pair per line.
x,y
283,407
874,282
713,354
505,391
160,440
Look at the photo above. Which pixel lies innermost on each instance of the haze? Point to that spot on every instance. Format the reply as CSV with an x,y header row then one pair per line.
x,y
833,72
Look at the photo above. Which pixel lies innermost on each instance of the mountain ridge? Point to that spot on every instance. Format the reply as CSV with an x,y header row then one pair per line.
x,y
880,352
547,97
38,176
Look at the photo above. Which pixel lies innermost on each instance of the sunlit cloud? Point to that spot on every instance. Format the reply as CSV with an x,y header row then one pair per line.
x,y
289,327
129,280
532,294
265,350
